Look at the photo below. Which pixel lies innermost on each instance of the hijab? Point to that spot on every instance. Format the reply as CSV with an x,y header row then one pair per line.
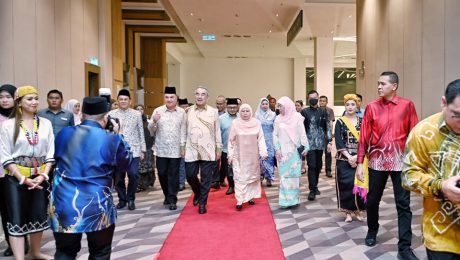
x,y
70,106
11,90
265,117
249,124
290,119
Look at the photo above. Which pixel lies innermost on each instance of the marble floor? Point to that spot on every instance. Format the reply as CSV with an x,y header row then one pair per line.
x,y
315,230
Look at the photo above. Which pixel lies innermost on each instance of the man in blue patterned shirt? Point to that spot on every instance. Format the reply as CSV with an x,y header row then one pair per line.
x,y
88,159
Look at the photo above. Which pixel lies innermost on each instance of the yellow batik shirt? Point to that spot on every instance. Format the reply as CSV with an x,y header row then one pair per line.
x,y
432,154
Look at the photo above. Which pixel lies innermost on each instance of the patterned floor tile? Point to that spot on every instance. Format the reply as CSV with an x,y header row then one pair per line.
x,y
314,230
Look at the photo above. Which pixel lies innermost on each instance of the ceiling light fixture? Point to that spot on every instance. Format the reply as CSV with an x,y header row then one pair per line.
x,y
350,16
277,15
270,31
191,14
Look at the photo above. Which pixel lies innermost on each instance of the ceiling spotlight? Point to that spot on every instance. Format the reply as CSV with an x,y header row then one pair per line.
x,y
270,31
277,15
350,16
191,14
332,32
199,31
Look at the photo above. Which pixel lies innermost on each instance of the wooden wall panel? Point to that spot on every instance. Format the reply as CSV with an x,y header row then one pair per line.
x,y
46,45
63,45
6,42
153,62
117,45
25,40
411,83
433,40
452,42
395,18
77,44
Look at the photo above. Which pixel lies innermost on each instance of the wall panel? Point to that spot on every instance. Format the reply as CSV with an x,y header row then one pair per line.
x,y
63,46
25,42
46,45
6,42
433,39
452,42
412,81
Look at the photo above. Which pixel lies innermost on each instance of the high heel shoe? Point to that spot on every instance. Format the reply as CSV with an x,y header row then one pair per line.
x,y
348,219
359,216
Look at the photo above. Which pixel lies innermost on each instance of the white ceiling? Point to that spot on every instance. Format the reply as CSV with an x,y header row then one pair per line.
x,y
256,18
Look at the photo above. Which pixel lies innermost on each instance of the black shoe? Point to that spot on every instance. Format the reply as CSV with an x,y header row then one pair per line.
x,y
181,188
216,186
317,192
251,202
166,202
239,207
371,239
407,255
312,195
269,183
131,205
202,209
172,206
329,174
121,205
223,184
196,199
8,252
230,190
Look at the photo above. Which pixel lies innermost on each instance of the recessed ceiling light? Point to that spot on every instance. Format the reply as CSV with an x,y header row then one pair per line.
x,y
191,14
350,16
270,31
199,31
277,15
332,32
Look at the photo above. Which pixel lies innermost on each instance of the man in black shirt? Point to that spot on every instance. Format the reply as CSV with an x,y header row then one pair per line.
x,y
318,131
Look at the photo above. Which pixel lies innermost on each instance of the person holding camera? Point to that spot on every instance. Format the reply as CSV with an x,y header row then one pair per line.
x,y
133,131
88,161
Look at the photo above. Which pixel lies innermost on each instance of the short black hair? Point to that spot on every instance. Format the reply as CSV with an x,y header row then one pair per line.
x,y
300,102
54,91
323,96
312,92
452,91
360,97
392,75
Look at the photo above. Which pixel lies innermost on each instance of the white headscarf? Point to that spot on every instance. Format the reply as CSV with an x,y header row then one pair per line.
x,y
265,117
70,106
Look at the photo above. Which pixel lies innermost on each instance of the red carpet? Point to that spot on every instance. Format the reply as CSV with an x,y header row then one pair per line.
x,y
223,232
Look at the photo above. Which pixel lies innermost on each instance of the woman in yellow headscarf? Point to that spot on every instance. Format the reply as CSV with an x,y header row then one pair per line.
x,y
27,154
346,140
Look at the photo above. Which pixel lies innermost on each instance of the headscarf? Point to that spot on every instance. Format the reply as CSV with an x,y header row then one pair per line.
x,y
290,119
70,106
25,90
246,124
11,90
266,117
350,97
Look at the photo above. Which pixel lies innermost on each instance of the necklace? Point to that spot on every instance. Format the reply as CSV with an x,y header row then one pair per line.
x,y
32,137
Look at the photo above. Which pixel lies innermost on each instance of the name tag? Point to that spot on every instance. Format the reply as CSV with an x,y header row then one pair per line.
x,y
63,118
